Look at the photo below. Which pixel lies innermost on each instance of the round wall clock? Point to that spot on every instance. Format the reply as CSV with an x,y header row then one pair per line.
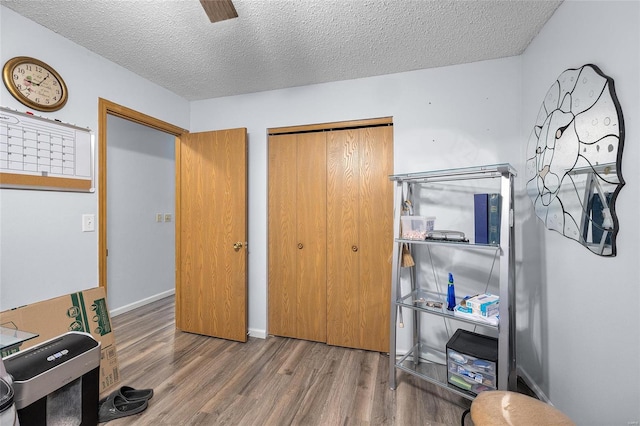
x,y
34,83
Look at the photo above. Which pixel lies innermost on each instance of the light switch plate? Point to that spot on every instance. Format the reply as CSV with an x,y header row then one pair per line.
x,y
88,223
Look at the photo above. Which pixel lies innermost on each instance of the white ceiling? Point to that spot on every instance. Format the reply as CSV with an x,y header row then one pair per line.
x,y
275,44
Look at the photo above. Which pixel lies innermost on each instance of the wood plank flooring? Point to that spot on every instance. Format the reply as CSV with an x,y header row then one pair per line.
x,y
200,380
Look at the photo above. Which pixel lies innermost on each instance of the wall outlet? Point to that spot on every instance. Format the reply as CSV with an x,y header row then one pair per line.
x,y
88,223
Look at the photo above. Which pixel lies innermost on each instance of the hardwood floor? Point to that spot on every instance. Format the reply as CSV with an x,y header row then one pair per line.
x,y
200,380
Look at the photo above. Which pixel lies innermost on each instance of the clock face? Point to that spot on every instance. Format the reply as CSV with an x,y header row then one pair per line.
x,y
34,84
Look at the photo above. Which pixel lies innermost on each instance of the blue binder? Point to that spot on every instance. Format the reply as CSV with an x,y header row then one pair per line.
x,y
481,218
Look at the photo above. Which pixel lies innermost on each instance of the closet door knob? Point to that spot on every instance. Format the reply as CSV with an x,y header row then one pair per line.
x,y
354,248
300,246
237,246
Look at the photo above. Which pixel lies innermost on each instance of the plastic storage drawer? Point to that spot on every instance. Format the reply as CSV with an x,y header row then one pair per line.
x,y
472,361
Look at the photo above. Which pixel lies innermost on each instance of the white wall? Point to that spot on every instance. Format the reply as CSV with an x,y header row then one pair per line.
x,y
447,117
140,184
43,252
581,312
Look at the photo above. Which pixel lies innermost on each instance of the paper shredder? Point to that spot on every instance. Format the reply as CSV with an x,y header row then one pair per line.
x,y
57,381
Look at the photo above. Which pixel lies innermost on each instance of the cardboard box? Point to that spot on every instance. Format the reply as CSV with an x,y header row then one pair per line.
x,y
82,311
485,305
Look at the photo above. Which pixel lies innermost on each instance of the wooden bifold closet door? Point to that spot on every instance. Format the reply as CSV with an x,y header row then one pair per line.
x,y
330,232
297,242
359,237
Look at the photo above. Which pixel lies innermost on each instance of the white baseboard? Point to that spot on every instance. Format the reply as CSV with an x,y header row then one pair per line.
x,y
262,334
532,385
253,332
139,303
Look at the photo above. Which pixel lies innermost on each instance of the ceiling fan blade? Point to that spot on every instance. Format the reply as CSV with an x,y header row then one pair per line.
x,y
219,10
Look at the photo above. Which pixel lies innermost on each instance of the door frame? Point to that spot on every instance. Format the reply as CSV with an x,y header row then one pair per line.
x,y
106,108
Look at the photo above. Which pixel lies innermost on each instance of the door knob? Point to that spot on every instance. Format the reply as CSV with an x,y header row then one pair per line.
x,y
237,246
300,246
354,248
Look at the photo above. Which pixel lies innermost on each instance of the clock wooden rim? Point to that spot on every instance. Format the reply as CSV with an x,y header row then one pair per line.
x,y
7,79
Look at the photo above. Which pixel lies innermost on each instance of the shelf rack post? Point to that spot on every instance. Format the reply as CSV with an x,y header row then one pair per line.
x,y
395,281
506,332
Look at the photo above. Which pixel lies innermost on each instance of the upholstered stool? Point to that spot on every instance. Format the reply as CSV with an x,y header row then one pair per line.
x,y
498,408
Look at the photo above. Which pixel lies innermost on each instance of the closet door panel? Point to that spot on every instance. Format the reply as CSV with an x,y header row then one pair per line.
x,y
282,219
343,295
376,235
297,236
311,246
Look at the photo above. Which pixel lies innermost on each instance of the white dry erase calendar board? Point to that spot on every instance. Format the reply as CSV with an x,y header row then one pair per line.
x,y
39,153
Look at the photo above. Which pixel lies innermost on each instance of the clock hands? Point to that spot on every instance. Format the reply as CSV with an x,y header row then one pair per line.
x,y
41,81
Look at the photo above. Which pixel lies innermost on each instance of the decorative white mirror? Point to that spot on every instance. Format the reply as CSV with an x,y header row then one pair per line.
x,y
574,156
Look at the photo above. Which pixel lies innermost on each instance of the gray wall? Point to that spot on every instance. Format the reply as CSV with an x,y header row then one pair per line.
x,y
579,313
445,117
140,184
43,251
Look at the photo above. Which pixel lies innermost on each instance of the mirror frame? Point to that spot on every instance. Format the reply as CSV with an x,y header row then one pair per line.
x,y
574,158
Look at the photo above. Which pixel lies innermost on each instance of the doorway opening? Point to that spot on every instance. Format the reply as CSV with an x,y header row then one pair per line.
x,y
105,109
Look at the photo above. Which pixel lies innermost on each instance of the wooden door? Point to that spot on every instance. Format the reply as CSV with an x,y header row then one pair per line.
x,y
376,235
359,237
297,242
211,234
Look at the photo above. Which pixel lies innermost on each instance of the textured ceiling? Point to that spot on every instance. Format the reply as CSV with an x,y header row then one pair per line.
x,y
276,44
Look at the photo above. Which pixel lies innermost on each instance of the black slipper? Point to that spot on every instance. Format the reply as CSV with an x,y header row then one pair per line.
x,y
116,406
135,394
131,394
